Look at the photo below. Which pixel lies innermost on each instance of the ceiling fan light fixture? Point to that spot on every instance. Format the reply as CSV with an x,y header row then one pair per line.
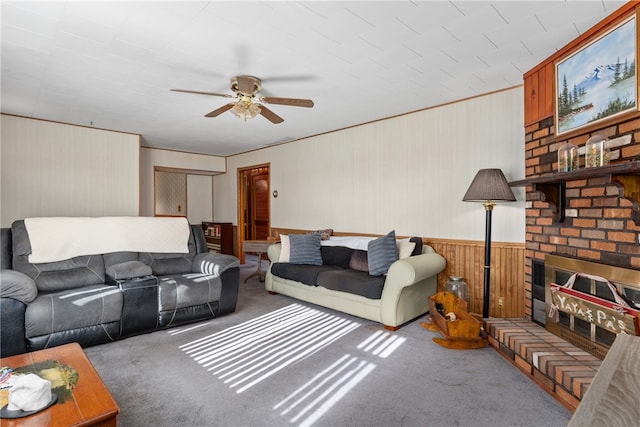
x,y
246,89
245,109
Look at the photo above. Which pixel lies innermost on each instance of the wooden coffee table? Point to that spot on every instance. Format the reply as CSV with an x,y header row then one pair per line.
x,y
87,403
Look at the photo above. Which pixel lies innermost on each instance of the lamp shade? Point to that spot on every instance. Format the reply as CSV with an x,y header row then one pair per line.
x,y
489,185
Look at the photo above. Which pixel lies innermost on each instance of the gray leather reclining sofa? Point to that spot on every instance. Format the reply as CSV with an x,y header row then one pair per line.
x,y
100,298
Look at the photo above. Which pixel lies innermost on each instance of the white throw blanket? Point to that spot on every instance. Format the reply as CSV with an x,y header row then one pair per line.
x,y
59,238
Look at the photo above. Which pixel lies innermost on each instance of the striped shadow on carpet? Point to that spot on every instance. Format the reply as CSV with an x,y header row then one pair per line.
x,y
249,353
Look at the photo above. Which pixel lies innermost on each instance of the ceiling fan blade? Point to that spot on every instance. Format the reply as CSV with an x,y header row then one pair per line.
x,y
294,102
270,115
220,110
198,92
246,84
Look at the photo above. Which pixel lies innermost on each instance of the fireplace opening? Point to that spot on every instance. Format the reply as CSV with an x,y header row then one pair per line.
x,y
537,292
576,315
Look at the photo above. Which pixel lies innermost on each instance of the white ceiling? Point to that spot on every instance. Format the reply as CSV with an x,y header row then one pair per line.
x,y
111,64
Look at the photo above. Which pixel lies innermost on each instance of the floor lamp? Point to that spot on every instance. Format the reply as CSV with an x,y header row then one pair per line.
x,y
488,186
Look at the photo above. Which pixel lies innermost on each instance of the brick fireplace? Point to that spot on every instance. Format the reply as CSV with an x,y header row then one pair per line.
x,y
592,214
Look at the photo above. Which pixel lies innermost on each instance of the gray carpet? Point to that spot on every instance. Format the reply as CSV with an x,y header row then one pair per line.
x,y
281,362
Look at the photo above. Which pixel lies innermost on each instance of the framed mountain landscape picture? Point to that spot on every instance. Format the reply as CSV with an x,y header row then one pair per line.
x,y
598,80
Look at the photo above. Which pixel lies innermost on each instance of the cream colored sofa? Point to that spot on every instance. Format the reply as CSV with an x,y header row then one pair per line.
x,y
408,284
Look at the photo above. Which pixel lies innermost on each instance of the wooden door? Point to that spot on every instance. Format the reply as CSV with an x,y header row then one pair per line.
x,y
254,221
259,222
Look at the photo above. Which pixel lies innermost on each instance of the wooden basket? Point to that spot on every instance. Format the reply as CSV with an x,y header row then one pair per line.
x,y
465,330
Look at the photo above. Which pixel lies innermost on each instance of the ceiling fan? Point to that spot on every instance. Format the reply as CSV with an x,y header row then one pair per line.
x,y
248,104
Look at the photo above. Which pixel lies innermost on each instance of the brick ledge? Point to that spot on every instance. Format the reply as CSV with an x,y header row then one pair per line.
x,y
560,368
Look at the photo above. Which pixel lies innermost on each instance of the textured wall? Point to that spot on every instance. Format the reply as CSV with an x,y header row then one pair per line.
x,y
199,198
54,169
170,193
152,158
407,173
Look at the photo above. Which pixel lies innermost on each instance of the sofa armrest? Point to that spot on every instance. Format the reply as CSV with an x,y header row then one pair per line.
x,y
407,271
12,340
213,263
273,252
17,285
410,281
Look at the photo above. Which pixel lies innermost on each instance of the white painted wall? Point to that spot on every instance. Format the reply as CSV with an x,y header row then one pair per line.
x,y
54,169
407,173
199,198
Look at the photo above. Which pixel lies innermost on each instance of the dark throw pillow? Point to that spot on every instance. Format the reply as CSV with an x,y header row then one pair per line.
x,y
418,249
382,253
305,249
339,256
359,261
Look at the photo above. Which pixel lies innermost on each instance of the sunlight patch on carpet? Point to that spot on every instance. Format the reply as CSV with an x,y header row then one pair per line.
x,y
317,396
314,398
381,344
178,331
247,354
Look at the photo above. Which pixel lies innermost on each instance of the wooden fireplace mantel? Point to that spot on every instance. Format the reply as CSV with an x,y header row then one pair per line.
x,y
553,185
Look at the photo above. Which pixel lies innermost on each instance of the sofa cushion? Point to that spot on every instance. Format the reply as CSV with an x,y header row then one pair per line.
x,y
305,274
72,309
353,282
338,256
170,263
359,260
382,253
162,264
70,274
54,276
305,249
186,290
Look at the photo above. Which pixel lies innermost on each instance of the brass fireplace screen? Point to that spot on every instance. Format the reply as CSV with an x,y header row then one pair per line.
x,y
583,321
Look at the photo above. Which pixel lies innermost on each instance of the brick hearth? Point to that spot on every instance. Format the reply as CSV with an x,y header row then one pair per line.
x,y
560,368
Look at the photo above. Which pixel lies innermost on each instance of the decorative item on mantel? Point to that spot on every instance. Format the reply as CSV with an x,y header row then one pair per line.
x,y
568,158
596,152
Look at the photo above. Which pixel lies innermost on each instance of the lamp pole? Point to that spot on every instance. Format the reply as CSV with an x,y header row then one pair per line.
x,y
488,206
488,186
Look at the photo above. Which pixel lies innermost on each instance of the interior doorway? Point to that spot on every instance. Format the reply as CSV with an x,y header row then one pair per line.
x,y
254,218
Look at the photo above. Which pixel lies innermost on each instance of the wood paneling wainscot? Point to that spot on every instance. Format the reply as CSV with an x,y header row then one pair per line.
x,y
465,258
